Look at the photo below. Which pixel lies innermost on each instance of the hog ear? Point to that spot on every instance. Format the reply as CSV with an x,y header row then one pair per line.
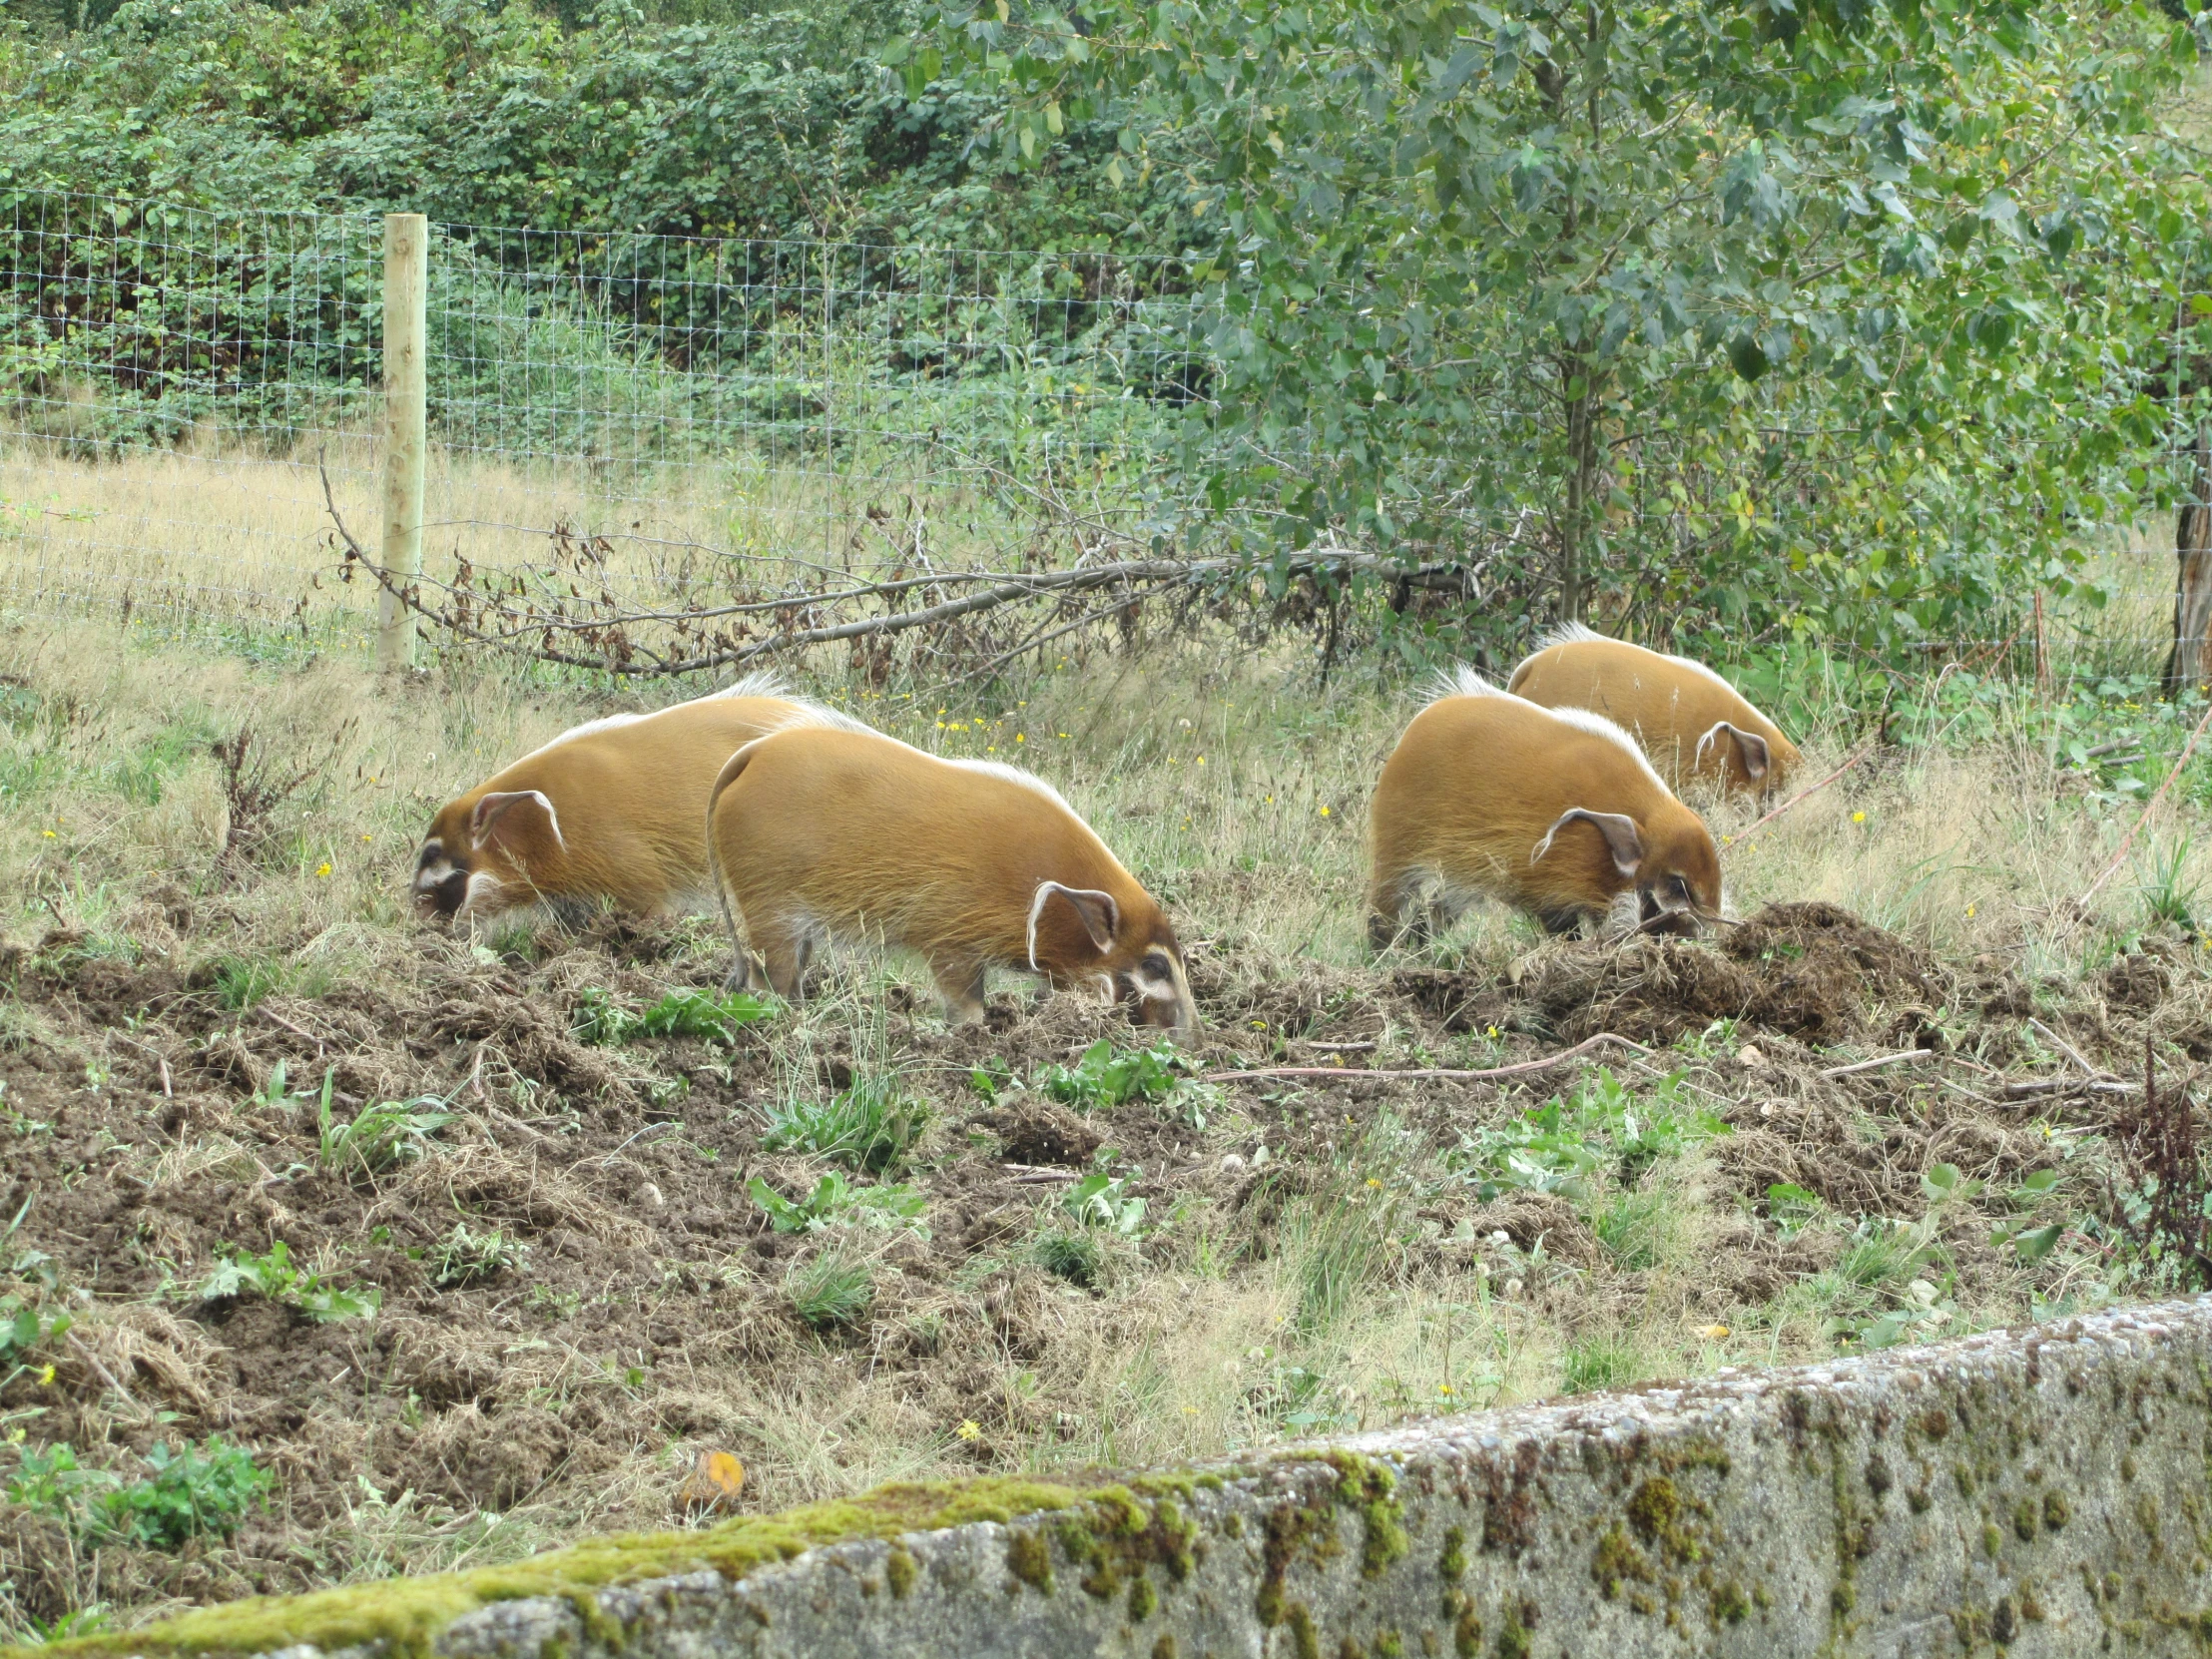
x,y
485,822
1100,915
1749,745
1618,829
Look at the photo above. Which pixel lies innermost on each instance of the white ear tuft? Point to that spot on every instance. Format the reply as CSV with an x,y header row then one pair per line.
x,y
1622,838
1101,915
484,821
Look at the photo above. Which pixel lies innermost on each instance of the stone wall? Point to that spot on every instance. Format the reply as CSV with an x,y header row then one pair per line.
x,y
2036,1492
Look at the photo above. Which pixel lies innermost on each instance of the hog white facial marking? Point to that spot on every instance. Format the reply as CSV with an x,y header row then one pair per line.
x,y
481,885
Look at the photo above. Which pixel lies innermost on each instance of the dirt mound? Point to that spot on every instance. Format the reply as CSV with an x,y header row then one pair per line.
x,y
1811,971
1034,1131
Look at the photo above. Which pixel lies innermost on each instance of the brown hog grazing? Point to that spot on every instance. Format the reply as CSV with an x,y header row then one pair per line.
x,y
1553,810
822,834
608,811
1692,722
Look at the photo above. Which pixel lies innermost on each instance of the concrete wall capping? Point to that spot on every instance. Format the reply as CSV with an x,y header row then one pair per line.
x,y
2037,1491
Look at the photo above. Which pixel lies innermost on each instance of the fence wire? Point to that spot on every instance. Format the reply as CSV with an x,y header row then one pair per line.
x,y
665,419
669,413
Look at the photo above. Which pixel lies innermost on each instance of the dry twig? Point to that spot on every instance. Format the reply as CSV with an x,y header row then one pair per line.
x,y
1430,1073
1880,1061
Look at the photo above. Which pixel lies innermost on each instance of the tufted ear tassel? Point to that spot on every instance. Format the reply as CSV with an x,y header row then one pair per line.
x,y
1619,829
486,820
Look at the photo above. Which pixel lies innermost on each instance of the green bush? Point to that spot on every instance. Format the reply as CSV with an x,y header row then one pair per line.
x,y
1071,1254
1566,1145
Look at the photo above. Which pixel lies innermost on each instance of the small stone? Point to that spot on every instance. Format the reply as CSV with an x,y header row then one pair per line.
x,y
1750,1056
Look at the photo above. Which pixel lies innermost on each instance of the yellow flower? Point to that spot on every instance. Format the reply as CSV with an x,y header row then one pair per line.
x,y
1859,817
971,1430
1493,1033
1373,1182
323,869
1202,759
48,834
46,1377
1060,734
1969,912
1445,1390
1324,812
1021,737
1712,1333
368,837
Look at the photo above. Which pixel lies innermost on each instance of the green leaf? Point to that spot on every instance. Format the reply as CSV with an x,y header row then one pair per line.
x,y
1747,357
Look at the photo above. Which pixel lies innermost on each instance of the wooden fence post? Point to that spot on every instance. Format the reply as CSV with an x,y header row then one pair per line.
x,y
2190,663
406,286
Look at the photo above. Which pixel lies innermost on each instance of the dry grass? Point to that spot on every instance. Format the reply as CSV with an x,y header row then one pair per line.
x,y
1238,793
216,533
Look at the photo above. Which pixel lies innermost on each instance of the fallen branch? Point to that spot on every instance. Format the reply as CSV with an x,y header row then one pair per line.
x,y
1880,1061
544,633
1430,1073
2149,806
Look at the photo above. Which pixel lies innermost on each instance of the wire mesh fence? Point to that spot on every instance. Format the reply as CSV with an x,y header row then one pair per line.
x,y
624,423
663,417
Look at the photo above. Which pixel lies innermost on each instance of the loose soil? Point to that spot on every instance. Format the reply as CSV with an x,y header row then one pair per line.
x,y
143,1136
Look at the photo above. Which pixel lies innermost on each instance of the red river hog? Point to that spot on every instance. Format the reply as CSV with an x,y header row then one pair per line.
x,y
608,811
1553,810
1692,722
820,833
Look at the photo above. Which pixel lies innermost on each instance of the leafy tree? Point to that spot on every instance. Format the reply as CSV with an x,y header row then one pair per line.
x,y
1823,312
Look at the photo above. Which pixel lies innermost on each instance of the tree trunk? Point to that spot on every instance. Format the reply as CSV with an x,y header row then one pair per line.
x,y
2190,663
1581,479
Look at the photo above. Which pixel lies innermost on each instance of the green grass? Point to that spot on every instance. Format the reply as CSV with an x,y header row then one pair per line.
x,y
1599,1362
830,1290
870,1127
1072,1254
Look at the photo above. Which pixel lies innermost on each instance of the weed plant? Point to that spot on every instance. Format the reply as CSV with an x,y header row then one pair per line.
x,y
188,1492
830,1288
379,1137
465,1256
835,1202
272,1274
870,1127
